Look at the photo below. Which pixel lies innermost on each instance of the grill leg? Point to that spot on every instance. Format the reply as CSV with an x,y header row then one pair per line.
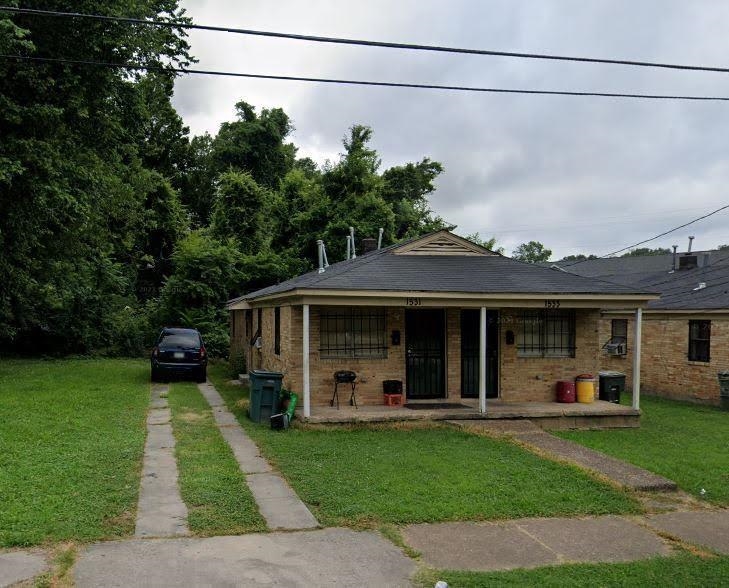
x,y
353,397
335,395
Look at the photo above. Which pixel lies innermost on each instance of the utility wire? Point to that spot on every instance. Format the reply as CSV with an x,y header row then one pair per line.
x,y
653,238
364,43
207,72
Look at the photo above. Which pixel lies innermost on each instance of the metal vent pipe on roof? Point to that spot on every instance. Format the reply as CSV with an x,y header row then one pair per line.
x,y
323,262
691,240
675,256
379,238
351,238
349,247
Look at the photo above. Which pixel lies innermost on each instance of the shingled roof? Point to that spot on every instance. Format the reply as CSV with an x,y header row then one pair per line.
x,y
418,266
701,288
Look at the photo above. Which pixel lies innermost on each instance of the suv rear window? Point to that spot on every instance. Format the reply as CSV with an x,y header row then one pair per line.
x,y
186,340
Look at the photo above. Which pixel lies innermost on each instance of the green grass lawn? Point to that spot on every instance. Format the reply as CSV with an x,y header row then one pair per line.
x,y
211,483
72,436
682,570
684,442
370,475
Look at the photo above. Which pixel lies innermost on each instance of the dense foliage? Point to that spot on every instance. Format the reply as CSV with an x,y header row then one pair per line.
x,y
114,221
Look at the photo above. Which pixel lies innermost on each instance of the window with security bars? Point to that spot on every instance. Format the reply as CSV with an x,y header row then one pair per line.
x,y
547,333
352,332
699,341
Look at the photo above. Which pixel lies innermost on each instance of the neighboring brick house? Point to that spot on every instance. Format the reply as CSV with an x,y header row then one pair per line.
x,y
445,316
685,334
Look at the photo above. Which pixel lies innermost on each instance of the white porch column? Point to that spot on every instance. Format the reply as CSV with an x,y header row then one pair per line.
x,y
305,350
636,358
482,363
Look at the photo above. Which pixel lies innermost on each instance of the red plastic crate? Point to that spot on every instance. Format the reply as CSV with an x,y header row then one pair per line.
x,y
393,399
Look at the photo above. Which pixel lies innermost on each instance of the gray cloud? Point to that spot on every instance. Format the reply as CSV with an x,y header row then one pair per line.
x,y
579,174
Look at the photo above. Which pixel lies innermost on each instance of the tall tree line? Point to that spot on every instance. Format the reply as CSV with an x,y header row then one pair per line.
x,y
114,221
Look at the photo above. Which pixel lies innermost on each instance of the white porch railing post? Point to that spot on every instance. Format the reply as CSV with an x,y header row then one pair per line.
x,y
305,350
482,364
636,358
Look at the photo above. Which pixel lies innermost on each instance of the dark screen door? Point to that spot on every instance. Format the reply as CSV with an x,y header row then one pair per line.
x,y
470,348
425,357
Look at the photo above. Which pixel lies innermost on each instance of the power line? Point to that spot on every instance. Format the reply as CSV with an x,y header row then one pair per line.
x,y
654,238
366,43
206,72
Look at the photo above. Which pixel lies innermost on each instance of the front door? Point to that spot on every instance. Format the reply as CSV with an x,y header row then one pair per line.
x,y
425,356
470,349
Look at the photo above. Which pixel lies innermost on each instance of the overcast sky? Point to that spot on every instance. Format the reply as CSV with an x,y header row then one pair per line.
x,y
586,175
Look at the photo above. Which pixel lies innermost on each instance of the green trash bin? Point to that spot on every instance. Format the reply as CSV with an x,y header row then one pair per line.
x,y
265,389
724,389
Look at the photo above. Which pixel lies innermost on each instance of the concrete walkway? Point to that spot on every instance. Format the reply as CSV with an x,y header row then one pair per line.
x,y
161,511
21,566
278,503
327,557
538,440
529,543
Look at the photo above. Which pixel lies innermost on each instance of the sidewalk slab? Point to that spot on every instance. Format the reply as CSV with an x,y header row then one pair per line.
x,y
160,510
477,546
707,528
600,539
277,502
327,557
620,472
19,566
529,543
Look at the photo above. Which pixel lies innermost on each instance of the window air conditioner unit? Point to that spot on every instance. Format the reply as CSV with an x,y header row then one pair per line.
x,y
615,348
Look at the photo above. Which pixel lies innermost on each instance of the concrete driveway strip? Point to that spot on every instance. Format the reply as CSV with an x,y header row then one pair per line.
x,y
709,529
327,557
160,511
20,566
278,503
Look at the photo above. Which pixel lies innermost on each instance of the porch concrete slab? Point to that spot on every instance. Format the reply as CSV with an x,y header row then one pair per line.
x,y
160,510
620,472
20,566
706,528
327,557
477,546
506,427
279,504
601,539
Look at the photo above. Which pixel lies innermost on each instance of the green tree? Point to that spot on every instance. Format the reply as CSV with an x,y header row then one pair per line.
x,y
73,181
238,211
532,252
640,251
255,144
489,244
579,257
205,275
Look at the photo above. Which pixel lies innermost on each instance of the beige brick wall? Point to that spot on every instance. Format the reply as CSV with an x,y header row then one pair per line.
x,y
535,378
665,368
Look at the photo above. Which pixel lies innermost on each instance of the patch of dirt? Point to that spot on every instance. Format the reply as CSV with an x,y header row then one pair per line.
x,y
122,523
191,417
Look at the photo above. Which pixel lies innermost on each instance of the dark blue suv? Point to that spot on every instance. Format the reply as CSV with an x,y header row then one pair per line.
x,y
179,352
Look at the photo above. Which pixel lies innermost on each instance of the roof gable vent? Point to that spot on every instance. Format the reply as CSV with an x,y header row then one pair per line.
x,y
442,243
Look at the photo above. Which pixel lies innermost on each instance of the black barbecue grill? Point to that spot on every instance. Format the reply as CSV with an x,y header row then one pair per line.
x,y
344,377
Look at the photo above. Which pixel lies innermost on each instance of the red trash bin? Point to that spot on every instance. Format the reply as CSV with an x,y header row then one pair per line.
x,y
566,391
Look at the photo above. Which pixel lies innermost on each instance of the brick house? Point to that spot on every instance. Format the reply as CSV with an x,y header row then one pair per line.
x,y
448,318
685,334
